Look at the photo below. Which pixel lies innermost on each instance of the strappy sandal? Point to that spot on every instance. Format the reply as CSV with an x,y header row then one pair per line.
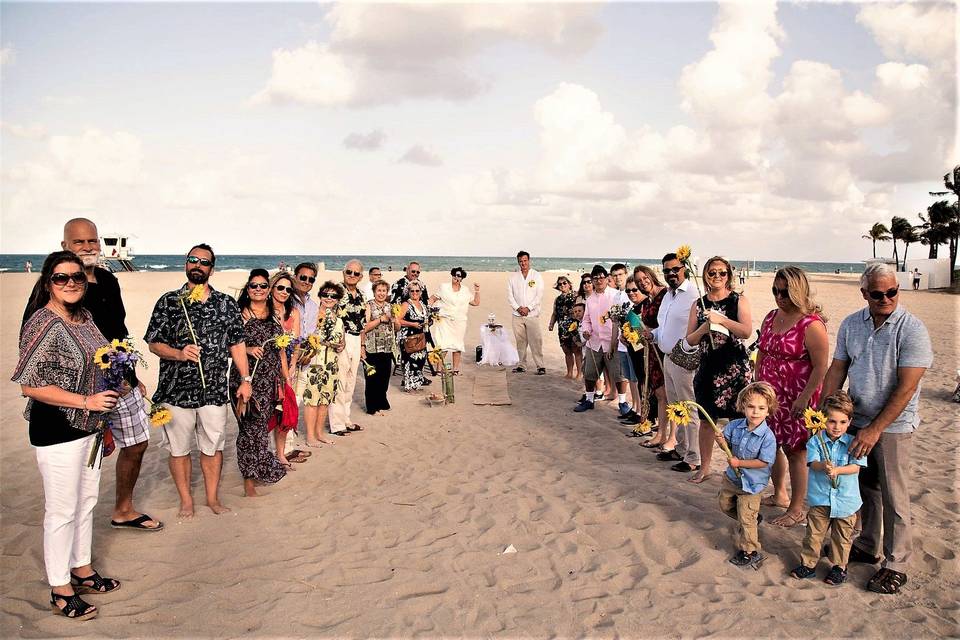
x,y
75,607
887,582
97,584
836,577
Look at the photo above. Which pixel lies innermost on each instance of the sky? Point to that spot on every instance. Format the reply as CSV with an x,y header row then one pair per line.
x,y
773,131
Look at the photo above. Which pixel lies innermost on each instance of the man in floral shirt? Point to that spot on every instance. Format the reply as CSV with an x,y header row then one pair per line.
x,y
353,314
194,330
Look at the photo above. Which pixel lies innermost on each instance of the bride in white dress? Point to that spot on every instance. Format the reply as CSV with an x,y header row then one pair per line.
x,y
454,301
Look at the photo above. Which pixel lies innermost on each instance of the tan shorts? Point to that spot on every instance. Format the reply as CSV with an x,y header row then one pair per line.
x,y
203,428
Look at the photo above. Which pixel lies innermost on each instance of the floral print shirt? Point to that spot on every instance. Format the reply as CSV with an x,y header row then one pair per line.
x,y
218,326
352,312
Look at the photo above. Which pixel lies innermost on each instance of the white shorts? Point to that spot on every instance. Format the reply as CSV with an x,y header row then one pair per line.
x,y
203,428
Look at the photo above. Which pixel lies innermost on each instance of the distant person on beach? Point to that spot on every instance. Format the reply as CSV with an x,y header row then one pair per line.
x,y
671,329
454,301
194,338
883,351
754,447
56,373
600,338
28,266
793,354
352,310
130,425
743,276
833,493
916,279
525,294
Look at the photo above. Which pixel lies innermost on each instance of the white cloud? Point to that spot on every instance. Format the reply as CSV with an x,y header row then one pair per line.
x,y
418,154
913,30
95,157
27,132
384,53
365,141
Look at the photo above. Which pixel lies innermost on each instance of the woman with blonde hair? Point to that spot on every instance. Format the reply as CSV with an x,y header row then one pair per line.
x,y
793,358
718,322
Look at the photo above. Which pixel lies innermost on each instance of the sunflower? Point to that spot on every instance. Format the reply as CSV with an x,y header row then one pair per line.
x,y
643,428
631,335
572,326
814,420
683,253
196,294
678,413
123,346
396,309
368,369
160,415
435,358
283,341
314,341
102,357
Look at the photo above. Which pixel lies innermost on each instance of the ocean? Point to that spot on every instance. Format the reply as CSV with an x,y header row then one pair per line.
x,y
149,262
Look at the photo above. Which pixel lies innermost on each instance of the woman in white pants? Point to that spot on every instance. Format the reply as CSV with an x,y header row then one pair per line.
x,y
57,373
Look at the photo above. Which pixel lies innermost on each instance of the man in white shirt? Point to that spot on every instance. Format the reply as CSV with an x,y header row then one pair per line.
x,y
672,319
525,293
373,275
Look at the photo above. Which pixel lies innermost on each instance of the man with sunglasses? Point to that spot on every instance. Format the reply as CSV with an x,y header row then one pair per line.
x,y
198,402
525,294
353,313
883,351
129,424
373,275
678,382
398,292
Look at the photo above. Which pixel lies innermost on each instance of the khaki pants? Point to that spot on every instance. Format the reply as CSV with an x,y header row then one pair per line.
x,y
526,330
841,537
744,508
885,490
678,383
348,361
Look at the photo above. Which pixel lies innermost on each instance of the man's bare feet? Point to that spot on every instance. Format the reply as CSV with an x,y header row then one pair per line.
x,y
186,510
218,508
699,478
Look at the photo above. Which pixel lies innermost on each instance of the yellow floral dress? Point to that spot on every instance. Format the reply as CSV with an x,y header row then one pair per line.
x,y
322,370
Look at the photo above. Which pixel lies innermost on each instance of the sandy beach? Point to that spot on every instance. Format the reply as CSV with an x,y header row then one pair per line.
x,y
400,530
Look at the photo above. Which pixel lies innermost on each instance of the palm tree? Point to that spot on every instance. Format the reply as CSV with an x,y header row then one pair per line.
x,y
898,228
879,232
936,226
909,236
953,228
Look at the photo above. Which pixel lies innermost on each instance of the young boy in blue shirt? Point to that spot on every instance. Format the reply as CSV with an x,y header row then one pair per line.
x,y
832,508
754,448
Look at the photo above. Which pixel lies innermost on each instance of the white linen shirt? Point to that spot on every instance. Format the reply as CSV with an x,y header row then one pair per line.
x,y
521,293
673,315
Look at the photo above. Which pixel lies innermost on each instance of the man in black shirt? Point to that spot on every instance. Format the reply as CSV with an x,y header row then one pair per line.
x,y
129,424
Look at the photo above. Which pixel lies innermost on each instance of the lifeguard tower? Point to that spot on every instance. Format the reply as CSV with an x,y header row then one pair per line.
x,y
116,254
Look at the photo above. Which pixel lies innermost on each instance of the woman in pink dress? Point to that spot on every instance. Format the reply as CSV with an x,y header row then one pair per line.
x,y
792,356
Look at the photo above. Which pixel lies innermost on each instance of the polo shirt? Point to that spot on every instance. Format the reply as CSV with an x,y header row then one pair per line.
x,y
845,499
874,356
759,444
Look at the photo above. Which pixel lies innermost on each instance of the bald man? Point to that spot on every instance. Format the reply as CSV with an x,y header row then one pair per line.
x,y
129,424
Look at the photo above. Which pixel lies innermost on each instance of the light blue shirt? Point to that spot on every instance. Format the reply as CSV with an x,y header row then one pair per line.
x,y
874,356
845,499
308,316
759,444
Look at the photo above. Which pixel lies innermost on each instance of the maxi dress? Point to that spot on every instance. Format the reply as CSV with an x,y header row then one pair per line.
x,y
449,329
253,452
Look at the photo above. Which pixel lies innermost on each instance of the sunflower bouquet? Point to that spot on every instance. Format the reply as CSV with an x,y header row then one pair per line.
x,y
684,253
815,422
191,296
117,362
368,369
631,335
679,414
281,341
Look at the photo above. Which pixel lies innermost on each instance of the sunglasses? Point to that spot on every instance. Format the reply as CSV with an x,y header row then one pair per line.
x,y
564,283
61,279
253,286
780,293
672,270
282,288
716,274
309,279
632,290
879,295
415,273
598,278
330,296
349,272
203,261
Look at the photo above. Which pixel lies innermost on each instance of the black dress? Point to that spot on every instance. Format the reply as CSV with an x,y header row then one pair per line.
x,y
725,368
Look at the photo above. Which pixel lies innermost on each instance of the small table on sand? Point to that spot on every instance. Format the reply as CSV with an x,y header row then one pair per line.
x,y
498,348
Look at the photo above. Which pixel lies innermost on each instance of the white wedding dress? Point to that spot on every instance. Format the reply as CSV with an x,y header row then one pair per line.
x,y
449,330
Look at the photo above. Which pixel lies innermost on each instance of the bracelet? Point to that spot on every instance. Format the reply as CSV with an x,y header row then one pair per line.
x,y
85,403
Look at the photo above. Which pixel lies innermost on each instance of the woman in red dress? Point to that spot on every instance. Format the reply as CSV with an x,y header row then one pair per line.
x,y
792,356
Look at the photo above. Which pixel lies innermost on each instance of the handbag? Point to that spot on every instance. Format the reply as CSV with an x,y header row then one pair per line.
x,y
285,416
681,357
415,343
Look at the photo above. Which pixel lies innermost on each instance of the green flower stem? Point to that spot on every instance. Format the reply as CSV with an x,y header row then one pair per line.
x,y
716,429
203,380
826,456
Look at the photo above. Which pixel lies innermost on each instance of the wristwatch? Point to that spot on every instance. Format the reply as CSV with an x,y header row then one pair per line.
x,y
247,378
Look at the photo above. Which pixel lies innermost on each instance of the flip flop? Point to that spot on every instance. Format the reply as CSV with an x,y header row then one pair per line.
x,y
298,453
788,521
769,501
354,427
136,524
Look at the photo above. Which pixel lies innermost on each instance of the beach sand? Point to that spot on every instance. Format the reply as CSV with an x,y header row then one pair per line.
x,y
400,530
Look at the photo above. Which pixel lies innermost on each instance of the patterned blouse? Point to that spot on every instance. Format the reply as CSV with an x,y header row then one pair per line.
x,y
58,353
218,326
399,292
352,312
380,339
